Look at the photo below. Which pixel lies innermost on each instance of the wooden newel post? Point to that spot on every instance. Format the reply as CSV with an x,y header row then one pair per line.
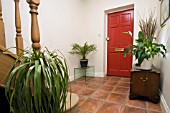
x,y
2,30
35,33
19,39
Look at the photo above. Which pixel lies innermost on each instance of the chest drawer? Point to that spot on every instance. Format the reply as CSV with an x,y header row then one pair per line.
x,y
145,83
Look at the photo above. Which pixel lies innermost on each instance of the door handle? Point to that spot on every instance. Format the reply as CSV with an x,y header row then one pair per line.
x,y
107,39
119,49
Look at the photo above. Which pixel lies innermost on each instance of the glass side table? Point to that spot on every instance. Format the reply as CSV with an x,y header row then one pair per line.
x,y
84,71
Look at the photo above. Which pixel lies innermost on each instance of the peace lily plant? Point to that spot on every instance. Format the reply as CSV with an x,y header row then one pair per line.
x,y
39,83
146,47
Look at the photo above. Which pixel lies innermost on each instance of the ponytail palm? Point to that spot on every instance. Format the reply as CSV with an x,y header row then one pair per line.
x,y
39,84
82,50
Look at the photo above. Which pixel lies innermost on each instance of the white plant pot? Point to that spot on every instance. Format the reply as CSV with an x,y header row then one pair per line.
x,y
147,64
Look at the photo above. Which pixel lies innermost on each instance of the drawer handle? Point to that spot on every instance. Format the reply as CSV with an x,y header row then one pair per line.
x,y
144,80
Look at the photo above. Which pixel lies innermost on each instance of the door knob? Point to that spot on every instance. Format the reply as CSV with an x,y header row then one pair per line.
x,y
107,38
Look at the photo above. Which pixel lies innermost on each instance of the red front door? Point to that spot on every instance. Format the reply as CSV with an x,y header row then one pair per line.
x,y
118,23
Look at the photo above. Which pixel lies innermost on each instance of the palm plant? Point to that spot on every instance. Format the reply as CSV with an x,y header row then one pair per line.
x,y
39,84
83,50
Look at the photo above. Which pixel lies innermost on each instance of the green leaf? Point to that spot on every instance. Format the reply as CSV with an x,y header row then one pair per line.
x,y
28,89
140,59
139,54
125,51
49,75
147,55
163,25
163,54
36,86
141,35
153,54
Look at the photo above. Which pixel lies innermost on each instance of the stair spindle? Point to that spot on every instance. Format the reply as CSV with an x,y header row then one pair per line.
x,y
35,34
19,39
2,30
1,11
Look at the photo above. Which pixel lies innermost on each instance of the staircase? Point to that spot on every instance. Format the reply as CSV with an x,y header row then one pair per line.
x,y
6,63
7,59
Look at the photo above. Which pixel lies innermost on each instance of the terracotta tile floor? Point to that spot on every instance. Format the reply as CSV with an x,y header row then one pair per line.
x,y
108,95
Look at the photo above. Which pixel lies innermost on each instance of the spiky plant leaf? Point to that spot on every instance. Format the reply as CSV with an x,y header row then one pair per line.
x,y
39,84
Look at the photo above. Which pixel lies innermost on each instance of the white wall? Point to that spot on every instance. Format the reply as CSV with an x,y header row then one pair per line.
x,y
64,22
96,24
61,24
164,63
8,10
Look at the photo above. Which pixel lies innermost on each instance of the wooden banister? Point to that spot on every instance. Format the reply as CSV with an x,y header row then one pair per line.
x,y
19,39
2,30
35,33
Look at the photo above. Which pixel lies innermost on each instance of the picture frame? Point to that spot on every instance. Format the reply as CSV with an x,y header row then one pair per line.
x,y
164,11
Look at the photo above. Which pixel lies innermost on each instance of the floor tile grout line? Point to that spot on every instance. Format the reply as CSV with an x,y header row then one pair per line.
x,y
136,107
89,96
100,106
154,111
114,102
127,97
147,106
123,107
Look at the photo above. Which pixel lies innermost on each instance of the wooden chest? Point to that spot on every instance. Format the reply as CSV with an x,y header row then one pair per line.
x,y
145,84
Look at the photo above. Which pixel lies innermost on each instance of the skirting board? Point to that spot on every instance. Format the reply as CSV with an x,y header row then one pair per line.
x,y
163,103
97,74
100,74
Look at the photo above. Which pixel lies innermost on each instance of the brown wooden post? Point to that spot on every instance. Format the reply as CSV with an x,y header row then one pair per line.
x,y
19,39
2,30
35,34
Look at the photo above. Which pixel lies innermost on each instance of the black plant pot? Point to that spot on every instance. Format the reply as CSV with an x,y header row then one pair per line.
x,y
83,62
